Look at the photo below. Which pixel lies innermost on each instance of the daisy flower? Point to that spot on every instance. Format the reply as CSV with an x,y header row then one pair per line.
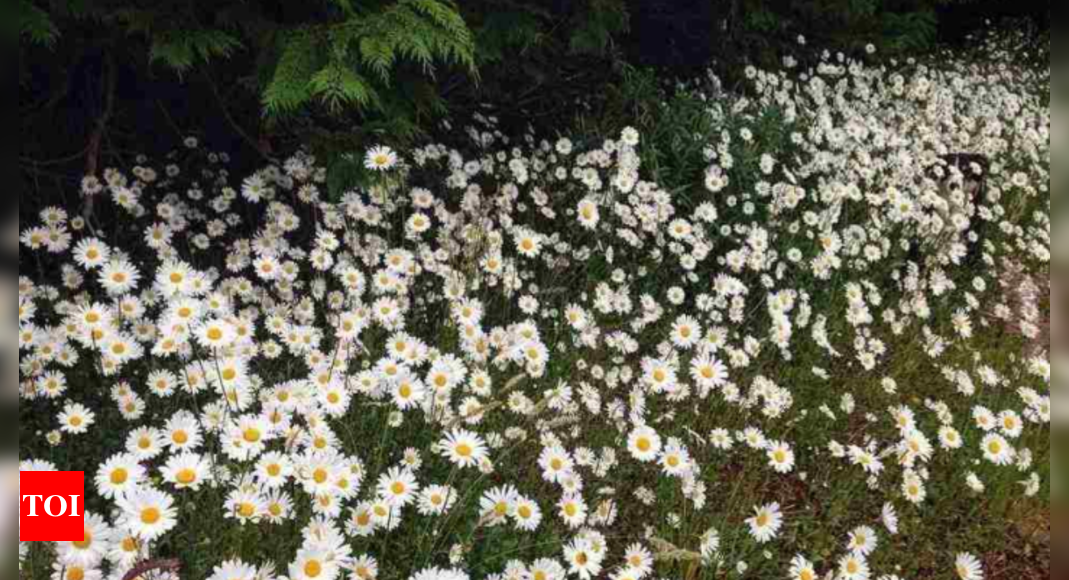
x,y
234,570
118,476
436,500
766,523
854,567
75,419
463,448
313,565
997,450
398,487
244,506
780,457
91,253
215,334
148,513
582,560
708,372
144,443
498,504
119,277
890,519
528,516
862,542
802,569
686,332
555,463
644,444
573,510
528,244
588,214
968,567
91,550
380,159
186,471
675,460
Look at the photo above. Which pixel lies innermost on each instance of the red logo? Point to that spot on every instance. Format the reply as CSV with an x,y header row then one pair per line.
x,y
51,506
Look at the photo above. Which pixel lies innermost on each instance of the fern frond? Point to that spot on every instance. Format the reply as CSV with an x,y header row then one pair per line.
x,y
180,50
337,85
378,54
36,25
290,86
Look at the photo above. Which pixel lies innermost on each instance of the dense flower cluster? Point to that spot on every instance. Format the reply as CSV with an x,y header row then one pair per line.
x,y
529,340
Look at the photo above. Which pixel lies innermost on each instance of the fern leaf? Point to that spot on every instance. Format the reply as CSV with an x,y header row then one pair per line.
x,y
182,49
378,54
36,25
290,86
338,85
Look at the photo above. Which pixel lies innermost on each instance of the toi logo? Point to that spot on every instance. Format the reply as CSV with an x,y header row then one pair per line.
x,y
51,506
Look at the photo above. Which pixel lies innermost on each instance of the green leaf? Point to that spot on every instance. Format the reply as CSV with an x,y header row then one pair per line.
x,y
290,86
36,25
182,49
337,86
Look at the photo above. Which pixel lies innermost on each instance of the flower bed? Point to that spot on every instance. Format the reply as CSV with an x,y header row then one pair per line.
x,y
524,360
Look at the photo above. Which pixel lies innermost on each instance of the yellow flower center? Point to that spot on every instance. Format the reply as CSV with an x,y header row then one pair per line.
x,y
186,476
119,476
180,437
150,516
246,510
644,445
87,540
464,450
398,488
251,435
320,476
215,334
313,569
